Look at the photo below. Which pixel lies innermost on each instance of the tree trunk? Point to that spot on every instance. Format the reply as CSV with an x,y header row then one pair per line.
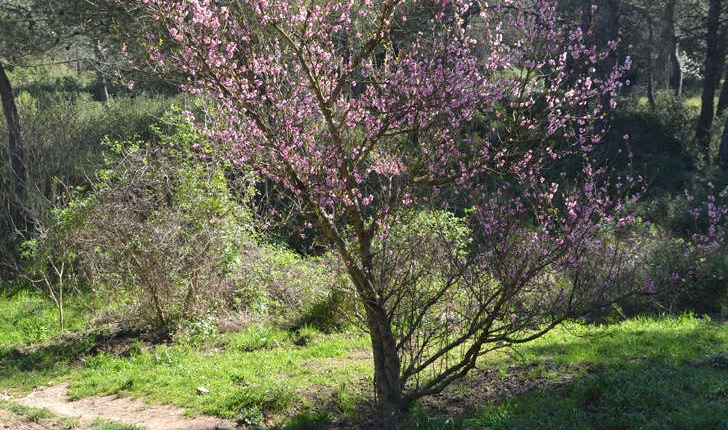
x,y
607,30
669,37
15,147
650,64
387,382
723,97
723,151
102,92
713,65
676,79
587,15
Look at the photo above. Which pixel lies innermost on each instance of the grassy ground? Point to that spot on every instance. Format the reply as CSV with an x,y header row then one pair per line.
x,y
667,373
658,373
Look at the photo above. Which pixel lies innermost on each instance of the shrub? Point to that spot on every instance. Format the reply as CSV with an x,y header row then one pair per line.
x,y
689,266
292,290
159,229
660,142
62,134
164,235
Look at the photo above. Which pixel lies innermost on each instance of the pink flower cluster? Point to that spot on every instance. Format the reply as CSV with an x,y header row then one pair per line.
x,y
360,108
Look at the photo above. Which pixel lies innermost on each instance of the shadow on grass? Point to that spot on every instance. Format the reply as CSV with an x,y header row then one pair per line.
x,y
622,377
635,397
38,358
76,348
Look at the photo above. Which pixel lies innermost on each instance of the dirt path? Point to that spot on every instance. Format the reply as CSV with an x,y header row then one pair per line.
x,y
119,409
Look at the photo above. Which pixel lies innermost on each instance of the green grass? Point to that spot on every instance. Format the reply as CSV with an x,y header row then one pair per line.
x,y
244,374
28,317
30,413
113,425
651,373
255,373
32,351
664,373
689,102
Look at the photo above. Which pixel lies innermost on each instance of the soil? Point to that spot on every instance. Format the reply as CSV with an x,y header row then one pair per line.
x,y
107,408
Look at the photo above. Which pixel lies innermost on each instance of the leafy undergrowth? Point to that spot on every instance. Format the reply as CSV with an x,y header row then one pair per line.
x,y
650,373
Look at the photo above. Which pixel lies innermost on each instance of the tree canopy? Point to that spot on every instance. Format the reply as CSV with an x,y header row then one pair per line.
x,y
369,111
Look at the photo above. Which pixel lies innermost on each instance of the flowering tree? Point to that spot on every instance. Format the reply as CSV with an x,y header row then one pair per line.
x,y
370,111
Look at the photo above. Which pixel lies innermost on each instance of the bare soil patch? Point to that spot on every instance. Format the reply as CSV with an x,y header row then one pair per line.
x,y
113,408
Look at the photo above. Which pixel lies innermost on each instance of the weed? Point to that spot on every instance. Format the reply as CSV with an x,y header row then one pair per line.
x,y
258,337
69,422
31,413
99,424
305,421
196,332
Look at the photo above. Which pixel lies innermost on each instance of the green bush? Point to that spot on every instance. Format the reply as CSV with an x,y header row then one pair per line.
x,y
159,233
689,264
292,290
165,238
660,142
689,277
62,135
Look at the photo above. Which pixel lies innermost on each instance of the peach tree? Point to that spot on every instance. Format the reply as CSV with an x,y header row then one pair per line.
x,y
425,141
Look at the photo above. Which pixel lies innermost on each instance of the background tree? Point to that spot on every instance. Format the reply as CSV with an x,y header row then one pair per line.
x,y
714,62
456,113
670,48
27,29
36,36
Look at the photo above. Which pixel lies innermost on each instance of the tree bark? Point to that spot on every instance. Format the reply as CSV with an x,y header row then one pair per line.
x,y
676,79
723,97
387,365
669,37
102,92
650,64
713,65
15,141
387,381
723,151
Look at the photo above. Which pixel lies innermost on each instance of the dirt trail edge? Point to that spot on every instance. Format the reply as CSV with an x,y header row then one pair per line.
x,y
121,409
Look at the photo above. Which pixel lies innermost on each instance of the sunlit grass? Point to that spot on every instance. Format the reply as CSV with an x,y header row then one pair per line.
x,y
270,379
655,373
692,102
